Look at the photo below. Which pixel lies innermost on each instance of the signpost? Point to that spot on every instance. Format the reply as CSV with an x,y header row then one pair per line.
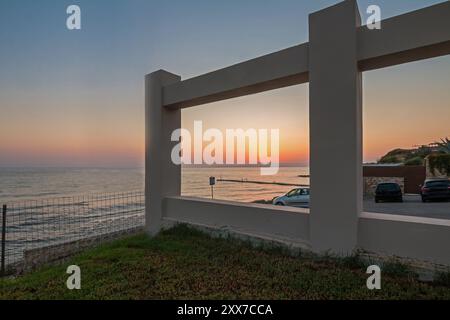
x,y
212,182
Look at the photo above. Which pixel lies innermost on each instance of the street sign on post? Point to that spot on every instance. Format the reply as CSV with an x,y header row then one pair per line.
x,y
212,182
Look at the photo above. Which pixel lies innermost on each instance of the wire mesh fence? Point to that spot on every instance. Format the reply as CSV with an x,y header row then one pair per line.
x,y
44,227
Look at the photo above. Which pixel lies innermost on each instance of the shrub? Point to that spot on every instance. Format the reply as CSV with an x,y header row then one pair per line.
x,y
439,162
390,159
416,161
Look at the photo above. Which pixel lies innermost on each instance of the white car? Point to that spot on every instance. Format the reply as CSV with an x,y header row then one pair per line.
x,y
298,197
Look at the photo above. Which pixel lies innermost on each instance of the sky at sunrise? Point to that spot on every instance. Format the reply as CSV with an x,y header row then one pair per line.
x,y
76,98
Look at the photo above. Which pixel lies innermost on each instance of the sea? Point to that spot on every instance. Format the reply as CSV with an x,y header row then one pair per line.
x,y
53,206
18,184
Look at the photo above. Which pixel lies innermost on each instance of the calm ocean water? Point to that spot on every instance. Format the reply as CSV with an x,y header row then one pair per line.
x,y
38,183
51,220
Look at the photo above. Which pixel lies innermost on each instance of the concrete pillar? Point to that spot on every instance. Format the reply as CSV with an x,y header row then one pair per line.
x,y
162,176
335,128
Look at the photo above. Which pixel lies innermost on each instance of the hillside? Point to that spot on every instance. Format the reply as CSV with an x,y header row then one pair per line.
x,y
439,150
407,156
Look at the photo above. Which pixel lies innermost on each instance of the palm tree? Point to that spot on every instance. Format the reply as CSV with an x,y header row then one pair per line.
x,y
444,145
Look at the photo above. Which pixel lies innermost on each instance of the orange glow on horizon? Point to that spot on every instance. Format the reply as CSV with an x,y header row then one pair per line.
x,y
417,112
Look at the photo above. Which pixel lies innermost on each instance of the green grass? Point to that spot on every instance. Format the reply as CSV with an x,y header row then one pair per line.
x,y
186,264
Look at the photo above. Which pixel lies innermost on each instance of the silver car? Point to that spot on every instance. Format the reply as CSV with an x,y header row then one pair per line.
x,y
298,197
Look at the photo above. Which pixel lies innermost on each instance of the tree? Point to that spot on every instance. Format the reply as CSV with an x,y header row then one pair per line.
x,y
444,145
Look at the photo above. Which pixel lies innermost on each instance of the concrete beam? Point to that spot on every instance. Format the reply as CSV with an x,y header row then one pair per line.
x,y
413,36
335,107
162,176
417,35
276,70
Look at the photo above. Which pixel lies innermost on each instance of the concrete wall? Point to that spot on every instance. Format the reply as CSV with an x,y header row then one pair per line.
x,y
371,183
412,237
413,176
415,238
338,51
265,221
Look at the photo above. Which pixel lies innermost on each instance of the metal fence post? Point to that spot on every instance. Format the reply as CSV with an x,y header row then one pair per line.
x,y
2,272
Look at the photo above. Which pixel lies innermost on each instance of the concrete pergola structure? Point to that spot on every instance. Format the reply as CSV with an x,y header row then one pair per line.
x,y
338,51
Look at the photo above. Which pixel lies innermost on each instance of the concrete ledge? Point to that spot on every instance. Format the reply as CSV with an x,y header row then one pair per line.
x,y
257,220
416,238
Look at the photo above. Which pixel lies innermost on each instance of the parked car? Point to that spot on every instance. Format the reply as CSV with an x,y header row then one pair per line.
x,y
435,189
388,192
298,197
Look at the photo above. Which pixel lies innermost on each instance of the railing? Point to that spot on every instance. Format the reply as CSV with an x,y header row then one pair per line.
x,y
51,223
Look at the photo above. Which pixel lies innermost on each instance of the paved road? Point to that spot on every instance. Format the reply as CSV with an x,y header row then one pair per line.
x,y
412,206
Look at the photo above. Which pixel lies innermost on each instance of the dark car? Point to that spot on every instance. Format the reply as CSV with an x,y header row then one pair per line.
x,y
435,189
388,192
